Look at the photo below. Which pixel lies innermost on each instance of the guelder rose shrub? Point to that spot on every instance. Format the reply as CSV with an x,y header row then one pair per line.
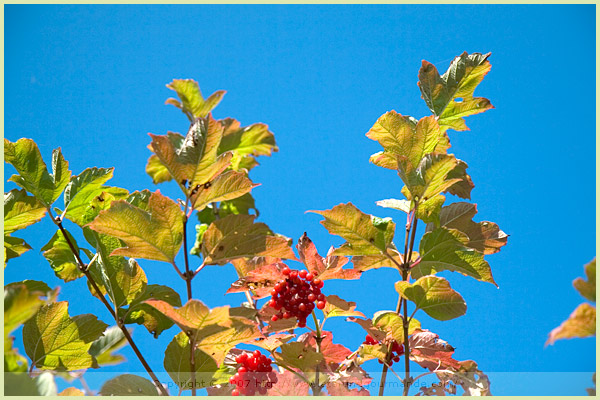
x,y
275,342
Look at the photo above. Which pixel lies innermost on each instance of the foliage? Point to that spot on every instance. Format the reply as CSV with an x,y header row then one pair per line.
x,y
211,166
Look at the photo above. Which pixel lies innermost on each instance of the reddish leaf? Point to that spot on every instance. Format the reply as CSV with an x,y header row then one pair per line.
x,y
330,267
260,280
332,353
288,384
245,265
367,324
337,307
265,314
341,389
429,351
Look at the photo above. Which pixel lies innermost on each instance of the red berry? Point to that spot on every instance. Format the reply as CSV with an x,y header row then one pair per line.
x,y
274,318
302,274
309,277
285,271
321,305
302,307
311,297
294,274
235,392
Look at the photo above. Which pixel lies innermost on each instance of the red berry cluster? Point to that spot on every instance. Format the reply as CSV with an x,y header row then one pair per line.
x,y
295,296
396,352
254,375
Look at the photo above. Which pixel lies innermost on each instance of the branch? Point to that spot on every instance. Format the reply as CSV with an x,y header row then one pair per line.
x,y
316,387
84,269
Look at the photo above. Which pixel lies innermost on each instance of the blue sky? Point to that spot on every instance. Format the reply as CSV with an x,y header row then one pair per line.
x,y
91,79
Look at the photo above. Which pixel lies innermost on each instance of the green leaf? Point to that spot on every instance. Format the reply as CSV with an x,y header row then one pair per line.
x,y
450,96
336,307
20,384
143,314
587,288
401,136
192,103
227,186
20,304
215,331
364,234
446,249
434,296
84,188
103,349
392,323
485,237
123,280
365,263
155,234
299,355
61,258
207,372
55,341
33,174
580,324
140,199
193,160
21,210
14,247
128,385
428,211
238,236
430,178
254,140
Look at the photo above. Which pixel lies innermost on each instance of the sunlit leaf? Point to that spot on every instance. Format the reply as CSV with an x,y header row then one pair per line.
x,y
433,295
299,355
392,323
429,351
332,353
14,247
103,349
62,260
336,307
289,384
587,288
155,234
128,385
260,280
143,314
33,174
21,210
485,236
375,332
214,331
364,233
20,304
428,211
450,96
122,279
238,236
324,268
340,389
177,364
53,340
158,171
446,249
83,188
272,342
255,139
404,137
227,186
581,323
190,100
365,263
193,160
71,391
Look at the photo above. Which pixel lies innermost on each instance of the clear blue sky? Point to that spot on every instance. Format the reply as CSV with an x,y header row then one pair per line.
x,y
91,79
